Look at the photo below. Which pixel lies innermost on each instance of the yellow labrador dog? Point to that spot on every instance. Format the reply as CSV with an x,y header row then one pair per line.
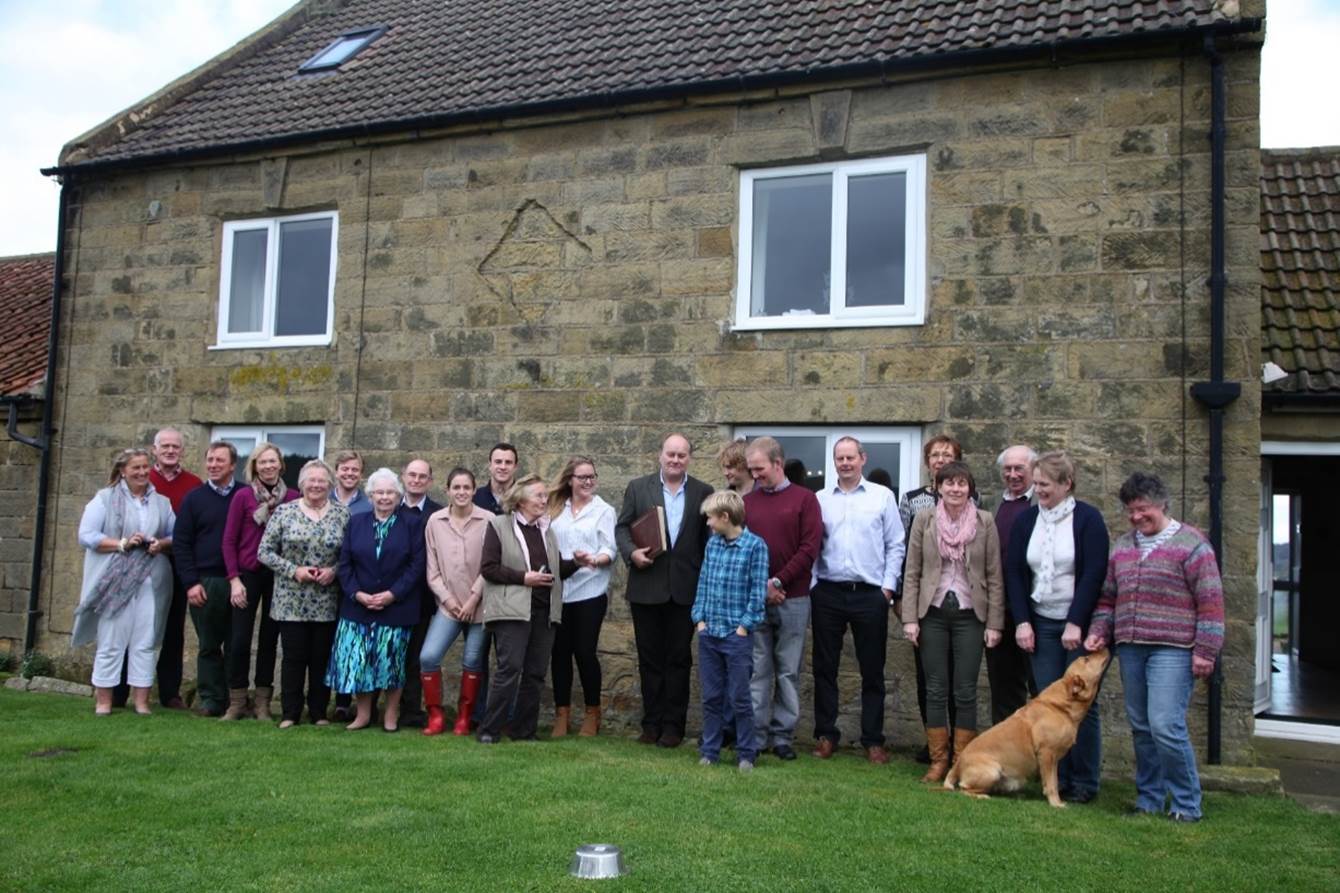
x,y
1032,741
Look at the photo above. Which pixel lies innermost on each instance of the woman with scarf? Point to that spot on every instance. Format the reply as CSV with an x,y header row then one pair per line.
x,y
523,599
381,574
252,583
953,603
1054,575
126,532
301,544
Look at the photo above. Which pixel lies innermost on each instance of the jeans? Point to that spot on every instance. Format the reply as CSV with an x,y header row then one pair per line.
x,y
213,628
307,645
779,648
575,641
442,632
1081,769
260,586
945,630
1158,682
724,667
862,607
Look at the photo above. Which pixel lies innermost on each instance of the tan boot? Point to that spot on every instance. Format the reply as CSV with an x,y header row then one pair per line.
x,y
937,742
560,722
962,737
262,704
237,705
590,723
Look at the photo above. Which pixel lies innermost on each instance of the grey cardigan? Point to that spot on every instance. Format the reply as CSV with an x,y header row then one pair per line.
x,y
981,560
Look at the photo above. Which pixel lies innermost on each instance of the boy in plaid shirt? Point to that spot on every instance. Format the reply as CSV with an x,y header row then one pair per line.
x,y
729,604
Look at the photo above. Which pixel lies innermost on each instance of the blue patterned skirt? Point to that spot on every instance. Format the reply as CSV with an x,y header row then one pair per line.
x,y
367,657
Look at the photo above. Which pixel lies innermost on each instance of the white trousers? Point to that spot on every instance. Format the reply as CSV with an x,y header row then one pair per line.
x,y
130,628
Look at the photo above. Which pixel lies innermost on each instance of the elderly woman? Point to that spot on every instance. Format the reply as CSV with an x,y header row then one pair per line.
x,y
523,598
454,537
1053,574
584,526
1162,604
953,602
126,532
381,579
301,544
252,583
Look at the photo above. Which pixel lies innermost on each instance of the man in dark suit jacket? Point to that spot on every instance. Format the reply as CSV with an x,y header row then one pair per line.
x,y
661,589
417,479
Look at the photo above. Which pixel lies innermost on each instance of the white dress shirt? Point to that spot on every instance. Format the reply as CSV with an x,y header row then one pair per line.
x,y
591,530
863,536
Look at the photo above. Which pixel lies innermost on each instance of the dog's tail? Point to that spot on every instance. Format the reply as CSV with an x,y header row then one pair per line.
x,y
951,780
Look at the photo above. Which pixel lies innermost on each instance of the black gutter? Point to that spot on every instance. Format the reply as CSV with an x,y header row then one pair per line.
x,y
1321,400
881,68
1216,395
43,440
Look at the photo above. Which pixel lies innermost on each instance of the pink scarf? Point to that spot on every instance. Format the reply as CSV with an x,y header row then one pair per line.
x,y
952,536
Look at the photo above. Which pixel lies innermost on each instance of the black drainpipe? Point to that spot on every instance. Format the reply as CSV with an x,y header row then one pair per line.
x,y
43,440
1216,394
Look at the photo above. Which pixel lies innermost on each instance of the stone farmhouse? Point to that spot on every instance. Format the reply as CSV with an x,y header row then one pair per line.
x,y
420,228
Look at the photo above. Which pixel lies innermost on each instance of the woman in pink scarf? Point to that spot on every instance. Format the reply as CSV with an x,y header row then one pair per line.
x,y
953,603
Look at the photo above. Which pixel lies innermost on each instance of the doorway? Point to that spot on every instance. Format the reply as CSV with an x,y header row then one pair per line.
x,y
1298,623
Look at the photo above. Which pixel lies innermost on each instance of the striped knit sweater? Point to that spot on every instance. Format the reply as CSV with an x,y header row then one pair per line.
x,y
1173,597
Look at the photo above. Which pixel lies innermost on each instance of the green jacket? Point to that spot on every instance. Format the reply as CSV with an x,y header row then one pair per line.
x,y
511,601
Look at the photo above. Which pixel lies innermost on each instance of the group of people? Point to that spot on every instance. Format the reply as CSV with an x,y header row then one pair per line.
x,y
368,584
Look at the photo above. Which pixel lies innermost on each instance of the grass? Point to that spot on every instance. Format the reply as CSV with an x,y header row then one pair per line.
x,y
173,802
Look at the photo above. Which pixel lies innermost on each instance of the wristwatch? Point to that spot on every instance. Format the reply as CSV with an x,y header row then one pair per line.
x,y
776,583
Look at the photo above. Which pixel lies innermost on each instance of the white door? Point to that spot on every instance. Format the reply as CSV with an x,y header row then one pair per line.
x,y
1265,585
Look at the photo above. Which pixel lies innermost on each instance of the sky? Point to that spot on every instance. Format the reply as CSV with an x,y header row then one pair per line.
x,y
68,65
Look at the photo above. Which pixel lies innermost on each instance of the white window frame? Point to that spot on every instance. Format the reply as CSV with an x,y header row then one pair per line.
x,y
265,337
911,313
263,432
907,437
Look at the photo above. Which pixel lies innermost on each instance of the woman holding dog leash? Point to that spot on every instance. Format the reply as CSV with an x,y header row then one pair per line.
x,y
1053,575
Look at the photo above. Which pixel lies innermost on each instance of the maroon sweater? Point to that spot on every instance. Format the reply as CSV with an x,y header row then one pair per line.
x,y
176,489
791,523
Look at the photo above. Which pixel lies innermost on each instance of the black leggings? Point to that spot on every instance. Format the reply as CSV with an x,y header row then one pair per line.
x,y
307,645
576,639
260,586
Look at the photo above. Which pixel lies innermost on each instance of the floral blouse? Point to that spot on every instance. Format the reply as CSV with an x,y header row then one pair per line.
x,y
293,540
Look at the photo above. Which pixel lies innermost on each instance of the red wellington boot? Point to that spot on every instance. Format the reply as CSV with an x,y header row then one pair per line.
x,y
469,691
432,699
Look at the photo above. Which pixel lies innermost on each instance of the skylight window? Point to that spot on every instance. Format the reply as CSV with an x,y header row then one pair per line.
x,y
342,49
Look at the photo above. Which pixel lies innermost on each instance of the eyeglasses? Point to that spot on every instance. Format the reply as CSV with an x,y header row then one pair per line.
x,y
585,478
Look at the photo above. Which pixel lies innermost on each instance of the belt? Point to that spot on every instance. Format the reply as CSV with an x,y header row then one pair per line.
x,y
849,585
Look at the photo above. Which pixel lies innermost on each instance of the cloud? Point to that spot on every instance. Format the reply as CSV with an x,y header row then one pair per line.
x,y
1297,73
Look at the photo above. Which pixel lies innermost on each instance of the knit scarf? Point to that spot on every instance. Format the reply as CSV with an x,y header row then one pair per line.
x,y
267,499
1048,521
124,573
952,536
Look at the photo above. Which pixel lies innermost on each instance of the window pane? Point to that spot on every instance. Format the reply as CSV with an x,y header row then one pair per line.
x,y
304,277
298,449
885,457
246,297
339,51
876,239
804,458
244,446
793,222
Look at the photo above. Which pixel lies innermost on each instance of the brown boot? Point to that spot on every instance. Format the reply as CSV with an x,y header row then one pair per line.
x,y
237,705
962,737
937,742
264,693
560,722
591,723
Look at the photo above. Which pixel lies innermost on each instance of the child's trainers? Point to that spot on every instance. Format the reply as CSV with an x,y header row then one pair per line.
x,y
746,766
707,762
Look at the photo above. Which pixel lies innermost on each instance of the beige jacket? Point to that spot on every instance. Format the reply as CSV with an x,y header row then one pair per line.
x,y
981,561
453,562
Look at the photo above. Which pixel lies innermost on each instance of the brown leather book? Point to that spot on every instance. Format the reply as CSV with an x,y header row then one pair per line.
x,y
648,532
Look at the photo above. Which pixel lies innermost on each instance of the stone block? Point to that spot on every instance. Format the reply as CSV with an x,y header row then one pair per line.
x,y
766,147
54,686
1141,251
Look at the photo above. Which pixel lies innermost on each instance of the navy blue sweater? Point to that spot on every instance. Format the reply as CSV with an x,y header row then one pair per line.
x,y
197,540
1091,545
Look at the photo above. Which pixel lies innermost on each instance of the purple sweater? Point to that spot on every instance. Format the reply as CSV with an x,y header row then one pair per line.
x,y
1174,597
241,534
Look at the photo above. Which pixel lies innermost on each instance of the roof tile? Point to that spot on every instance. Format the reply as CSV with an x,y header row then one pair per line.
x,y
25,321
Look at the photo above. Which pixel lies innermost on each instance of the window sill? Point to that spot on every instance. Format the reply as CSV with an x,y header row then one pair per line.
x,y
791,323
312,341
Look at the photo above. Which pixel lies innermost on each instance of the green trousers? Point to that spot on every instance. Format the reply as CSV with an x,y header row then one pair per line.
x,y
213,625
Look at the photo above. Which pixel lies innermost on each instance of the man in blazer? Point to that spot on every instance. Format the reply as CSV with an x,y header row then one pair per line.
x,y
417,479
661,589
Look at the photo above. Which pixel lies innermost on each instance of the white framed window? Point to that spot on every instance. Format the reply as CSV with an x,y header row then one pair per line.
x,y
299,444
895,450
833,245
277,281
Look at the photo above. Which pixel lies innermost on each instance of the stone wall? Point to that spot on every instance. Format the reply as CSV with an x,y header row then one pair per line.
x,y
18,501
567,285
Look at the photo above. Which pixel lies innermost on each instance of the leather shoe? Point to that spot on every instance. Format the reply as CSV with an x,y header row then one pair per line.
x,y
877,755
647,737
1072,795
175,703
784,752
670,739
824,749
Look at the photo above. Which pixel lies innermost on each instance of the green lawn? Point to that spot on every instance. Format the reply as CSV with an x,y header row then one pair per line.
x,y
172,802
